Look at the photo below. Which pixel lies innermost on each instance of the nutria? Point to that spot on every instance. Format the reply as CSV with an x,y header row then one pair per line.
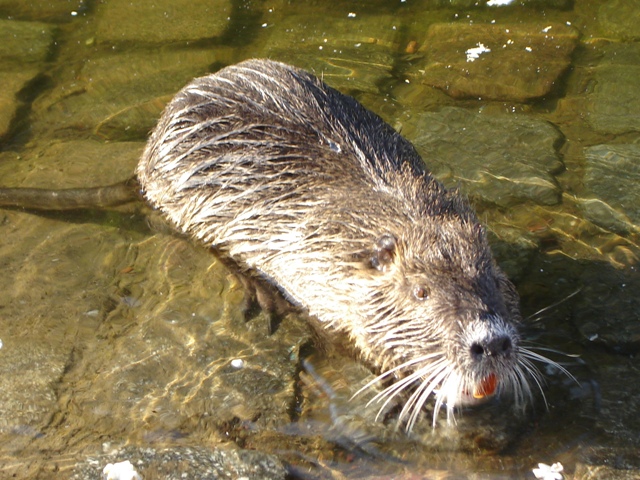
x,y
320,197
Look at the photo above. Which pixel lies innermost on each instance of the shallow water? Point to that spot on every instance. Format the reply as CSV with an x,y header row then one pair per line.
x,y
121,340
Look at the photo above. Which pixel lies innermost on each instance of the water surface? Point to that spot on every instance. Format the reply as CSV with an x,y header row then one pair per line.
x,y
121,340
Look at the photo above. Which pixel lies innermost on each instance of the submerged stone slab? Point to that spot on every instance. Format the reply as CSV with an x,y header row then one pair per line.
x,y
161,20
73,164
620,18
51,279
503,159
612,175
27,401
143,333
614,104
604,215
120,97
513,62
173,356
350,54
24,42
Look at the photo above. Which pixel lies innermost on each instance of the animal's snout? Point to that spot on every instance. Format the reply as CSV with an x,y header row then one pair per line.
x,y
497,346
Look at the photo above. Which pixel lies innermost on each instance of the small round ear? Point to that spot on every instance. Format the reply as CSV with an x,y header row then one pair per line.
x,y
384,250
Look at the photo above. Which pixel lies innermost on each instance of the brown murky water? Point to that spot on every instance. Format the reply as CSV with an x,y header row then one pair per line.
x,y
122,341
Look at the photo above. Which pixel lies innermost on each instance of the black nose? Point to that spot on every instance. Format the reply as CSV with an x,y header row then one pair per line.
x,y
492,347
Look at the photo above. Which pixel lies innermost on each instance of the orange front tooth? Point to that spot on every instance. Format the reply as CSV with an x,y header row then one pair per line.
x,y
487,387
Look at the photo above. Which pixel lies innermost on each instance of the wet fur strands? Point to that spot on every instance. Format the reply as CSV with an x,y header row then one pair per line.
x,y
318,195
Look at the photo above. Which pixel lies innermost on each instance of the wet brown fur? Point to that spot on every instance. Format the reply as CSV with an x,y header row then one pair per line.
x,y
301,184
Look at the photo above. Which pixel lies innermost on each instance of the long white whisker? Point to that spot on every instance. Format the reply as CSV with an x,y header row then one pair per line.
x,y
391,391
552,350
537,378
542,359
402,366
420,395
553,305
530,368
523,389
451,383
526,368
402,382
428,384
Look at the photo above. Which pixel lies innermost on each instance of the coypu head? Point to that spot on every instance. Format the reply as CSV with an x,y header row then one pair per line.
x,y
446,317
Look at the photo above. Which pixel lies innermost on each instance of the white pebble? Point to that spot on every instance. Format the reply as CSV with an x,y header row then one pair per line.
x,y
120,471
546,472
237,363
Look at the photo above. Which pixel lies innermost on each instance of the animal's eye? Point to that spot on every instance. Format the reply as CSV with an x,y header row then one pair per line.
x,y
420,292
